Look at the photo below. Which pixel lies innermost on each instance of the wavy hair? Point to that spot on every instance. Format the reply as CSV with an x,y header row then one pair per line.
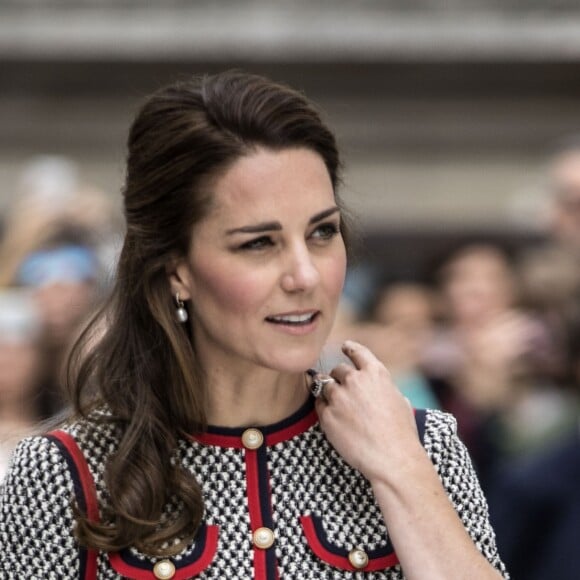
x,y
134,358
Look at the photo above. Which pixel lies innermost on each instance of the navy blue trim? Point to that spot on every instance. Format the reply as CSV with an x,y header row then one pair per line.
x,y
73,469
386,550
200,539
266,507
267,429
264,487
79,495
421,419
271,564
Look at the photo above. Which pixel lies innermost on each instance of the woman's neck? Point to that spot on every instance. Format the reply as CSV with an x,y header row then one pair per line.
x,y
258,397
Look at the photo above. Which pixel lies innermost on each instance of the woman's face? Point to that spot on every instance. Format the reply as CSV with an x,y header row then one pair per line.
x,y
266,266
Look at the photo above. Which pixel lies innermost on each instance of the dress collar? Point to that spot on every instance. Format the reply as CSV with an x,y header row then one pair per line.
x,y
232,437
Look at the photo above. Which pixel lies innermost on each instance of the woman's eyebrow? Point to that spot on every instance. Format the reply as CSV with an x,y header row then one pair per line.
x,y
277,226
323,214
257,228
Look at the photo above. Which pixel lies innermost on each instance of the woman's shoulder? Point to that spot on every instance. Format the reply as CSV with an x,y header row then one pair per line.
x,y
446,450
95,425
92,438
36,513
439,436
433,424
441,422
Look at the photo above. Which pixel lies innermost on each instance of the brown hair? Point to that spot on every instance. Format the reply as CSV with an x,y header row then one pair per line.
x,y
134,357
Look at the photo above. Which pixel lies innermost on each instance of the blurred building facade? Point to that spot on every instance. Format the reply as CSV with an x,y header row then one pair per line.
x,y
445,111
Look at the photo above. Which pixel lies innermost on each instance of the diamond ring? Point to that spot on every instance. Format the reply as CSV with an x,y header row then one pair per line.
x,y
319,382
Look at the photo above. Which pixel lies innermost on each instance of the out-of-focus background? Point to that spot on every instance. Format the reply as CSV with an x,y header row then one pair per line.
x,y
460,127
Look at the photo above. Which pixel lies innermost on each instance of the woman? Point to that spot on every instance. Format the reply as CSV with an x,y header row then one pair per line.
x,y
227,286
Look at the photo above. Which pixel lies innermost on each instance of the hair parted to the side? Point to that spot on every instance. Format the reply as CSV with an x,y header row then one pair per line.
x,y
134,357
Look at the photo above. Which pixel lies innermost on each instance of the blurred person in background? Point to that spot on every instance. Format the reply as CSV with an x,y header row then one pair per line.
x,y
477,289
398,330
535,502
59,243
564,183
62,274
549,273
485,358
404,322
23,399
549,281
51,197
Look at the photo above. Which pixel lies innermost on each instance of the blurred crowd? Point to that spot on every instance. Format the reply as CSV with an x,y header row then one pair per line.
x,y
58,243
492,336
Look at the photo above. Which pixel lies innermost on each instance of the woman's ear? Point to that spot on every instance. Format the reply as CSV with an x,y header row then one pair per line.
x,y
180,278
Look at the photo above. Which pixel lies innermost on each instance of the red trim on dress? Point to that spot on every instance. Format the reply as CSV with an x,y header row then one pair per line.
x,y
338,561
232,441
115,559
89,492
299,427
253,488
183,573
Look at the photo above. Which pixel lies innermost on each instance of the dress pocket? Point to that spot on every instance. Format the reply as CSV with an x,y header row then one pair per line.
x,y
359,558
128,565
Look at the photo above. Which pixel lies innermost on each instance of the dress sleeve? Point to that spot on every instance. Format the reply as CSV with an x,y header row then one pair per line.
x,y
455,469
36,518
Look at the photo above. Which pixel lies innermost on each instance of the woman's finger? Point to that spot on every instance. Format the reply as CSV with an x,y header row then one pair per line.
x,y
341,371
360,355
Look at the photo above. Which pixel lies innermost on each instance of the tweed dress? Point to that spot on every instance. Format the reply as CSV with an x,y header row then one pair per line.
x,y
279,503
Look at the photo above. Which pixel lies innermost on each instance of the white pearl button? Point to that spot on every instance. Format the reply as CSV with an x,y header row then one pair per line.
x,y
358,558
252,438
263,538
164,570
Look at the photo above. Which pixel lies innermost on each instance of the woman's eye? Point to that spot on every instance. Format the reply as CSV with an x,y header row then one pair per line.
x,y
257,244
326,231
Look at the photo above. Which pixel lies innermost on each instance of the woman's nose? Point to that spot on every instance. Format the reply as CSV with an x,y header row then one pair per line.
x,y
301,273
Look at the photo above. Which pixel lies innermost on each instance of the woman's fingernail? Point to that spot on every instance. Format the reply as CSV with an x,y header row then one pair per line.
x,y
348,345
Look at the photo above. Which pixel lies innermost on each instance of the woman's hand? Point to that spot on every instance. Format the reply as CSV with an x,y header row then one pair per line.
x,y
365,416
371,425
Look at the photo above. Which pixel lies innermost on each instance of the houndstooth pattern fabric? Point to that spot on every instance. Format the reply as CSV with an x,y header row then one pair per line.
x,y
35,516
309,477
223,476
306,478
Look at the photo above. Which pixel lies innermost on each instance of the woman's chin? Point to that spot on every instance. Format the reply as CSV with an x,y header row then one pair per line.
x,y
295,362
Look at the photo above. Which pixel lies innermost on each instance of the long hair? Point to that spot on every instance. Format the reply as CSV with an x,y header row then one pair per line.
x,y
134,358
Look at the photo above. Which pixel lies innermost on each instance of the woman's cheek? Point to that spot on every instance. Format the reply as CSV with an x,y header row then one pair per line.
x,y
335,275
236,289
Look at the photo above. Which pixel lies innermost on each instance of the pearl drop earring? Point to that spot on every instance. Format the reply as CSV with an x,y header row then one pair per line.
x,y
180,312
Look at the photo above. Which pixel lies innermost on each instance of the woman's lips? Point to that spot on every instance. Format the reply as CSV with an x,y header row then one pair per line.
x,y
297,323
293,317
